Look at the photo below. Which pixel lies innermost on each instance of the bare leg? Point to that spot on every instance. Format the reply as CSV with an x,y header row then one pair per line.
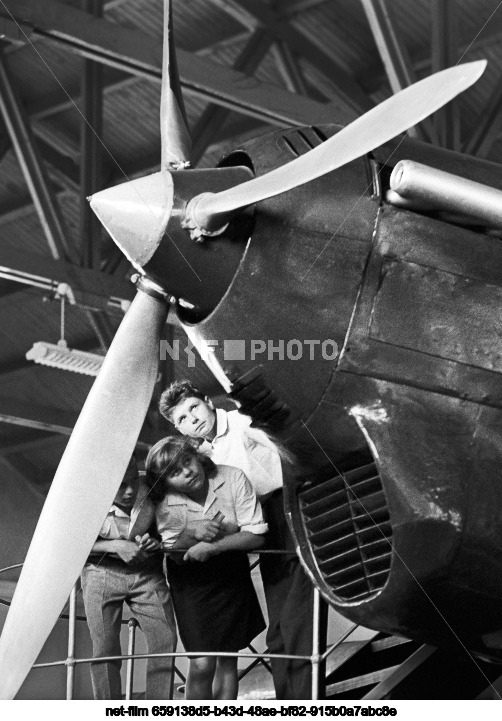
x,y
200,678
226,682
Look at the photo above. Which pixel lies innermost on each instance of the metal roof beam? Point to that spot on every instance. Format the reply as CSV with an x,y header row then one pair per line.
x,y
102,328
11,467
36,178
222,44
62,168
29,415
58,138
213,117
487,40
38,183
349,92
68,98
91,156
293,7
237,12
444,55
390,46
32,441
26,469
91,287
65,171
52,420
12,211
488,126
5,145
114,80
135,52
392,50
289,67
31,164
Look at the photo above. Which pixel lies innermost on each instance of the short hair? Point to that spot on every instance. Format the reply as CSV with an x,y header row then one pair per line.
x,y
177,392
164,455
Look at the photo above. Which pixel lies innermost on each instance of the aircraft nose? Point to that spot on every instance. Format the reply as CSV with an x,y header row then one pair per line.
x,y
143,218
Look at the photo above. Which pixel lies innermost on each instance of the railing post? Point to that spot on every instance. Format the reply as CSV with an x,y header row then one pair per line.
x,y
70,660
316,656
132,625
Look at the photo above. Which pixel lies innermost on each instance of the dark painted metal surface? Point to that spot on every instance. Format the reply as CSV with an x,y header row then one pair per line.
x,y
285,288
428,316
412,303
200,272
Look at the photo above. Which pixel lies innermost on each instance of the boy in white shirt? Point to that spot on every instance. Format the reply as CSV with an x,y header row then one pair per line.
x,y
229,439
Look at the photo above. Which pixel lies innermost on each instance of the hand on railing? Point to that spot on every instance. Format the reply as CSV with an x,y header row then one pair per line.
x,y
148,543
129,551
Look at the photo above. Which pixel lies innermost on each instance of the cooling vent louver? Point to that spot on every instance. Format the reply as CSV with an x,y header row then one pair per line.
x,y
347,523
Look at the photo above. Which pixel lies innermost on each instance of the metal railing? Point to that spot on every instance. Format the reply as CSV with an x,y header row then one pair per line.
x,y
317,657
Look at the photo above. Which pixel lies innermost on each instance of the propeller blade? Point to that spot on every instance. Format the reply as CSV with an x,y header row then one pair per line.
x,y
83,489
175,137
209,212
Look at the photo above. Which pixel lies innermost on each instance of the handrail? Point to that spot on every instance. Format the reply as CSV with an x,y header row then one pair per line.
x,y
316,658
174,654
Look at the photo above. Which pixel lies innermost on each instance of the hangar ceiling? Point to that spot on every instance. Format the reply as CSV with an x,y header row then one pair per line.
x,y
79,100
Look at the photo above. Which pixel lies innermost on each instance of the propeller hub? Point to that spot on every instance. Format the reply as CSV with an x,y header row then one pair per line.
x,y
199,224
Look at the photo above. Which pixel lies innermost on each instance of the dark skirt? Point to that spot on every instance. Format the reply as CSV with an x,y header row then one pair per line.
x,y
215,603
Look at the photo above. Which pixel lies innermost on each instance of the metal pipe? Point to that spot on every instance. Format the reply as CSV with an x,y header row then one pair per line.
x,y
70,661
132,625
391,48
91,132
316,659
428,188
31,164
181,654
316,656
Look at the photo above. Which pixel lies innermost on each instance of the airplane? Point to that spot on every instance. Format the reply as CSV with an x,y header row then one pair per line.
x,y
395,504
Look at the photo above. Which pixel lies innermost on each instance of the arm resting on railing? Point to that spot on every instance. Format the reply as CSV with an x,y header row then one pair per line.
x,y
242,541
128,551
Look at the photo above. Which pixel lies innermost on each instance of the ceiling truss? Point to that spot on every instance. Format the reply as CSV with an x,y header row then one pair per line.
x,y
115,57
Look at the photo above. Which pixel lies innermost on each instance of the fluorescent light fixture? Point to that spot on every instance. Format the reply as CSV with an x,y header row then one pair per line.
x,y
60,356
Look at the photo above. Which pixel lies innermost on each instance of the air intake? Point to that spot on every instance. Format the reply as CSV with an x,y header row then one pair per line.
x,y
64,358
347,524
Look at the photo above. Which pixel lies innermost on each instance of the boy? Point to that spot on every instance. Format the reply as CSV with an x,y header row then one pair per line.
x,y
230,440
125,565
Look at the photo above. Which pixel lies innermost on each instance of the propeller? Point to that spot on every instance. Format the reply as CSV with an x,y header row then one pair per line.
x,y
101,444
83,488
174,133
136,214
209,213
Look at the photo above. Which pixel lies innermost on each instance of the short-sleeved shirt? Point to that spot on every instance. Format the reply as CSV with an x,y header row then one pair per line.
x,y
250,449
119,524
229,492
